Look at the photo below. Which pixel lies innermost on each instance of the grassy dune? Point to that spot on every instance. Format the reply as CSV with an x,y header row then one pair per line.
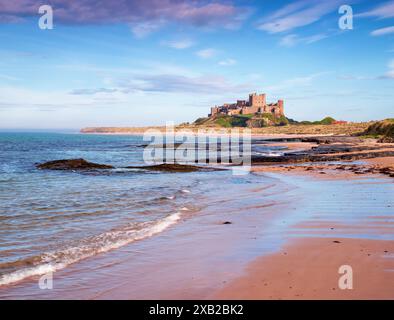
x,y
382,129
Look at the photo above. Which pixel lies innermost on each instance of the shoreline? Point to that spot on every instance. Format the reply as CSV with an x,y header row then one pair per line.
x,y
207,259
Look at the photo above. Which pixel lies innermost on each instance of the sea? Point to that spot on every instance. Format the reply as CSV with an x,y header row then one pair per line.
x,y
51,219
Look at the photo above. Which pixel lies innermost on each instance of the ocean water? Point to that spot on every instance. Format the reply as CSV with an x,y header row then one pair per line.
x,y
51,219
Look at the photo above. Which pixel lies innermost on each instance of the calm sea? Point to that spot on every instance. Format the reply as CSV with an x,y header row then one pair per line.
x,y
50,219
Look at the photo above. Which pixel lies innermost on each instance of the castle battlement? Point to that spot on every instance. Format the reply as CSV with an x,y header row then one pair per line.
x,y
256,104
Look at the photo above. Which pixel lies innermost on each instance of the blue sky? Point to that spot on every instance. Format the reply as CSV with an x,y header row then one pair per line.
x,y
135,63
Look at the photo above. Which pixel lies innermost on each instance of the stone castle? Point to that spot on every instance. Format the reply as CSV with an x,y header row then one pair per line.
x,y
256,104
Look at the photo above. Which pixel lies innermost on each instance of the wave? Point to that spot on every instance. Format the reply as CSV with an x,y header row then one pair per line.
x,y
54,261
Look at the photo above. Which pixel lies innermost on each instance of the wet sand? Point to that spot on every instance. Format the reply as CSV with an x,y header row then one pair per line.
x,y
309,269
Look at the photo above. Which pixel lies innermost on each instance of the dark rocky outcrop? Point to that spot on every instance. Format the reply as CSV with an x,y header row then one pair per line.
x,y
72,164
174,167
310,157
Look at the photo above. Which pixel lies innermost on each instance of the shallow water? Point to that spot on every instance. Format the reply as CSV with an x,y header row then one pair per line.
x,y
51,219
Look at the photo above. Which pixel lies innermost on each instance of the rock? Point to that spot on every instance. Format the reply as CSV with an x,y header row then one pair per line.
x,y
227,222
174,167
72,164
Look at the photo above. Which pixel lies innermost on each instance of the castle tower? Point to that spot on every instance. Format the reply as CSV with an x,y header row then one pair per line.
x,y
214,111
281,108
257,100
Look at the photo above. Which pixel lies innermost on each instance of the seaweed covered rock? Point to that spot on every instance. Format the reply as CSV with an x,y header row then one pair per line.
x,y
72,164
174,167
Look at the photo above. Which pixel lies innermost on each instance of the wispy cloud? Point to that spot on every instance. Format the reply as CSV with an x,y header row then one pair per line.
x,y
382,31
295,83
207,53
354,77
167,83
298,14
143,16
8,78
227,62
179,44
143,29
382,11
388,75
390,72
92,91
292,39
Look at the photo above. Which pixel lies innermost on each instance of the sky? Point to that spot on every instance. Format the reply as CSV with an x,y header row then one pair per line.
x,y
138,63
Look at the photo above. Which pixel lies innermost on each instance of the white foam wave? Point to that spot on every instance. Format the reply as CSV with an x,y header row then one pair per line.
x,y
111,240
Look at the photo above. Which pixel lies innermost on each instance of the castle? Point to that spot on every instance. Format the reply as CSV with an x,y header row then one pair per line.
x,y
255,105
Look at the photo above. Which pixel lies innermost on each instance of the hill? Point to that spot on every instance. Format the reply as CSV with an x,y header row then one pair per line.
x,y
256,121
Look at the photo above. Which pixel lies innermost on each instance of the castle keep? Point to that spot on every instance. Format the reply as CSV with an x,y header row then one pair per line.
x,y
255,105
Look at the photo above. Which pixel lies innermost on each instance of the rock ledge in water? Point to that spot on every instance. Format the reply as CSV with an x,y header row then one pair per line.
x,y
174,167
72,164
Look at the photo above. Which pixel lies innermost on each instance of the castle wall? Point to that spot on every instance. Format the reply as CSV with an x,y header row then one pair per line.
x,y
256,104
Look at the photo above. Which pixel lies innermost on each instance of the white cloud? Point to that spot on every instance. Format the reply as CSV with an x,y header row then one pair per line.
x,y
227,62
143,29
289,40
179,44
292,39
382,11
8,78
207,53
382,31
390,73
295,83
354,77
298,14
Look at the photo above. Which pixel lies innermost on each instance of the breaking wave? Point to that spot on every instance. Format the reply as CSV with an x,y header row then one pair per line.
x,y
54,261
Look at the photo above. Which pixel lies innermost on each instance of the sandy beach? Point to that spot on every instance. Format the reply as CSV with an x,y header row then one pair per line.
x,y
307,268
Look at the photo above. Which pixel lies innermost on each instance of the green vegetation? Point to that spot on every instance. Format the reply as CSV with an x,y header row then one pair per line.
x,y
256,121
232,121
201,121
383,129
325,121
